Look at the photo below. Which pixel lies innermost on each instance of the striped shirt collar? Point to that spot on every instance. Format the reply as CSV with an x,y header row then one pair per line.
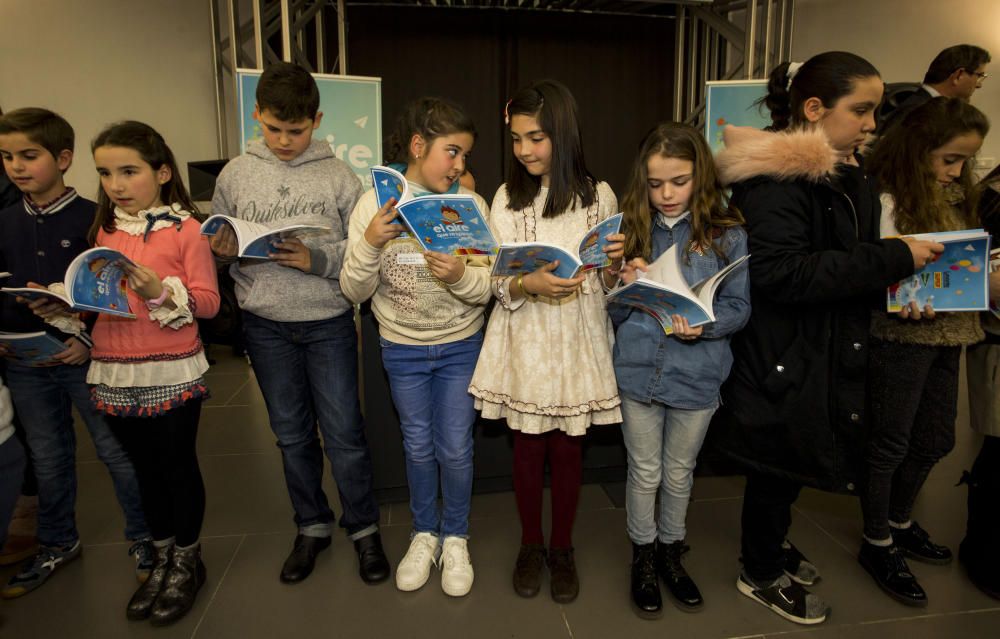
x,y
54,206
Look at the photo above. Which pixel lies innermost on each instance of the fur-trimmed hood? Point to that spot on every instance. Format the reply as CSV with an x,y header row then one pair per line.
x,y
785,155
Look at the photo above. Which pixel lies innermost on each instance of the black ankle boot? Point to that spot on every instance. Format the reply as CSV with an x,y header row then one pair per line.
x,y
888,568
372,563
185,577
645,585
680,586
141,603
979,552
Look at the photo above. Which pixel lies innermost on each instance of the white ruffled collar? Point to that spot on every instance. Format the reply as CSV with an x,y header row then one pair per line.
x,y
138,223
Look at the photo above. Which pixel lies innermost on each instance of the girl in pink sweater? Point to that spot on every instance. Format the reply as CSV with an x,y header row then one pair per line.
x,y
148,371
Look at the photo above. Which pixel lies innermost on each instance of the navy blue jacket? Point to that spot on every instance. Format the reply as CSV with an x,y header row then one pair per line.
x,y
39,248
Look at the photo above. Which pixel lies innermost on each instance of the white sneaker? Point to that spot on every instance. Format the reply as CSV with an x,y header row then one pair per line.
x,y
415,567
456,567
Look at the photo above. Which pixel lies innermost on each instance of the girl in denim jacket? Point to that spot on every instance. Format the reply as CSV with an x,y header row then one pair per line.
x,y
669,384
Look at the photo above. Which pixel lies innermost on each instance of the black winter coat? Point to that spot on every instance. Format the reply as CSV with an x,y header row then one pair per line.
x,y
796,397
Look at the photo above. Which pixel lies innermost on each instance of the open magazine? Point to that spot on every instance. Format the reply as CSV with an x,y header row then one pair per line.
x,y
956,280
95,281
662,292
446,223
526,257
31,349
256,241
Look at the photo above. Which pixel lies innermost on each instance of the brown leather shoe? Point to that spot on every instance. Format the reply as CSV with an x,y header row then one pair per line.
x,y
564,583
528,570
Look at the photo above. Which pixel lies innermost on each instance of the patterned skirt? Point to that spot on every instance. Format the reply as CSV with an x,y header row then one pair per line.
x,y
146,401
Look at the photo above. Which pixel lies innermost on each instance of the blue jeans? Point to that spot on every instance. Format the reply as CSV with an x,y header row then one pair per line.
x,y
12,463
662,443
308,372
430,388
44,398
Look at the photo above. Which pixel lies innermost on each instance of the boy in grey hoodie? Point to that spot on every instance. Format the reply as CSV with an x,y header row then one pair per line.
x,y
298,327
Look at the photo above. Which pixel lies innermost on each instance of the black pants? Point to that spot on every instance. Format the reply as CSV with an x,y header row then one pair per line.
x,y
914,403
162,449
767,514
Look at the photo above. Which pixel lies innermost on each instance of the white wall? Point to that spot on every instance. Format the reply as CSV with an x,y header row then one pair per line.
x,y
98,61
901,37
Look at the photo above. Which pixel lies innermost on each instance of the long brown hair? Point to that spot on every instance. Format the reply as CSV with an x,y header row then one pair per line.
x,y
709,204
901,162
154,151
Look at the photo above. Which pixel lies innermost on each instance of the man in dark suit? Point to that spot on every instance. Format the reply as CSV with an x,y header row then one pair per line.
x,y
956,72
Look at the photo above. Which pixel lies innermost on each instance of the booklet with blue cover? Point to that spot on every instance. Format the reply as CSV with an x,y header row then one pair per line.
x,y
450,224
662,292
95,281
256,241
32,349
956,280
526,257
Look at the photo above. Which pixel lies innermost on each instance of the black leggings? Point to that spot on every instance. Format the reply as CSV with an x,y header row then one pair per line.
x,y
162,449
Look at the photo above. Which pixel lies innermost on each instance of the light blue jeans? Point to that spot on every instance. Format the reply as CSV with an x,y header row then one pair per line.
x,y
430,388
662,444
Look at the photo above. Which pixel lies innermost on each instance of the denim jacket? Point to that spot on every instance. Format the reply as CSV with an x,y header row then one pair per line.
x,y
651,365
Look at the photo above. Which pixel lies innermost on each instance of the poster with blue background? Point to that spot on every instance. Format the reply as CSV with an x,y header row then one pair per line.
x,y
352,117
732,102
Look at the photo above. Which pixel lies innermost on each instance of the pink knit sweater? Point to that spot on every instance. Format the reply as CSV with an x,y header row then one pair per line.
x,y
182,253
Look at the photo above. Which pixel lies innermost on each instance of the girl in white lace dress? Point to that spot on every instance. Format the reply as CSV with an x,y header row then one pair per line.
x,y
546,363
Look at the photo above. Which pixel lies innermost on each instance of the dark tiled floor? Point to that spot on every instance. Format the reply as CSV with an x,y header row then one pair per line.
x,y
248,532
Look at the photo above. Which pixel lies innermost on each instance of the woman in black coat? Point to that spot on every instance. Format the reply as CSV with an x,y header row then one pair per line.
x,y
796,396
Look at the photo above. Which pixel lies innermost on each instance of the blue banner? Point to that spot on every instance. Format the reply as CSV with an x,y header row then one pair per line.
x,y
732,102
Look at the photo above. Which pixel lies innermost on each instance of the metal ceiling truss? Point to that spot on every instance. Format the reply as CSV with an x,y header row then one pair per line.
x,y
714,39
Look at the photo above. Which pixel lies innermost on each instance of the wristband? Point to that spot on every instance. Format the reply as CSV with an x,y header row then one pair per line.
x,y
155,304
520,285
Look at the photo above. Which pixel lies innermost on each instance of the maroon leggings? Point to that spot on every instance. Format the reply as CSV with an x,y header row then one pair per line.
x,y
565,468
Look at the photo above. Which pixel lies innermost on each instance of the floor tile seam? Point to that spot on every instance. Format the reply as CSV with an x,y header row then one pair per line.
x,y
218,586
872,622
237,392
826,532
562,613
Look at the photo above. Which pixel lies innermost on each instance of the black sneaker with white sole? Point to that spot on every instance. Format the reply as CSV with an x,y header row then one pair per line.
x,y
785,598
797,567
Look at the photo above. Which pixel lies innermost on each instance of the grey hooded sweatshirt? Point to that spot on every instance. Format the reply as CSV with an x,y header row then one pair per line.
x,y
313,188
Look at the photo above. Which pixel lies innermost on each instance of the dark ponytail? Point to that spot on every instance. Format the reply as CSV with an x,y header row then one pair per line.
x,y
828,76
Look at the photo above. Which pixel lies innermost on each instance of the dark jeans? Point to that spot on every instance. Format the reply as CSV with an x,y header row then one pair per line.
x,y
914,399
166,464
44,398
767,514
12,460
308,373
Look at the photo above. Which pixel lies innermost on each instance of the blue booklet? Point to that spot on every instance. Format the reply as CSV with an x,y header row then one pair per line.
x,y
956,280
95,281
32,349
389,183
663,292
451,224
257,241
526,257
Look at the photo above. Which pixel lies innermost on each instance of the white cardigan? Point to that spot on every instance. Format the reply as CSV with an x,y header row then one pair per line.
x,y
6,414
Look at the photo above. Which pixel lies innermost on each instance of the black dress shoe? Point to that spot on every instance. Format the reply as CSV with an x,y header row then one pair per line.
x,y
888,568
915,543
301,561
680,586
645,584
372,563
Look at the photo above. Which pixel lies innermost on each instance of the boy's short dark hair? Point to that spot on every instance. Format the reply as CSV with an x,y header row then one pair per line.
x,y
288,92
41,126
961,56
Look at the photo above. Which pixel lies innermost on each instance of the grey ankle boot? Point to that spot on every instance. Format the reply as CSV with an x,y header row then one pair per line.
x,y
141,603
184,578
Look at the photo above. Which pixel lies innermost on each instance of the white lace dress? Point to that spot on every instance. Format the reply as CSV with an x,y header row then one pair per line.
x,y
546,363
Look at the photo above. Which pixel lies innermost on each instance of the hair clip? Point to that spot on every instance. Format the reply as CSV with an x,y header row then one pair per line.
x,y
793,69
506,112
